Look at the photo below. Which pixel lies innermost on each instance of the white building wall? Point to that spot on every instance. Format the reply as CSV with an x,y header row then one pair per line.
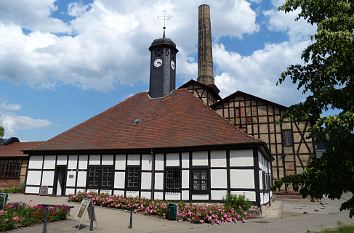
x,y
120,162
72,163
35,162
264,166
49,162
239,166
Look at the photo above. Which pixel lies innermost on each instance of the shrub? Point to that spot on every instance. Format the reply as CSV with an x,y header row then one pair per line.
x,y
11,190
194,213
18,214
238,202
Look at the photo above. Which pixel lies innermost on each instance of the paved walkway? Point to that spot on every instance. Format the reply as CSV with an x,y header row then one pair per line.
x,y
286,216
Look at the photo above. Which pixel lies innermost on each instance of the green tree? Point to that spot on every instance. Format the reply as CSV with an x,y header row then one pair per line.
x,y
2,131
326,76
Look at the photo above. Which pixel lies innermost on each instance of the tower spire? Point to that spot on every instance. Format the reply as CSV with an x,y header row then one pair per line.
x,y
205,55
164,17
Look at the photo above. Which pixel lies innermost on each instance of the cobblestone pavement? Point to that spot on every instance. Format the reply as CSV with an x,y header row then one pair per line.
x,y
285,216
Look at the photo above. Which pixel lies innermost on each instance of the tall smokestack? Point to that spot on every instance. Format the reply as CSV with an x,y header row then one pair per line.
x,y
205,56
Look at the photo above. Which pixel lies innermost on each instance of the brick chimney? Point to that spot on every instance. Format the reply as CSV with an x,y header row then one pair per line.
x,y
205,56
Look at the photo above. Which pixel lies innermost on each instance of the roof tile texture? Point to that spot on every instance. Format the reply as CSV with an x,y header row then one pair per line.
x,y
177,120
15,149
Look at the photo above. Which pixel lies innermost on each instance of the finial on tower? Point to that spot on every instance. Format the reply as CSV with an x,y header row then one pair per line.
x,y
164,17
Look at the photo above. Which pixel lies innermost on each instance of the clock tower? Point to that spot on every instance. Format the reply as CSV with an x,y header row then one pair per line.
x,y
162,67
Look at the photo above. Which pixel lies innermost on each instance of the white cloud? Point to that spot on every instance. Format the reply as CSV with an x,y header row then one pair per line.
x,y
279,21
12,121
258,73
32,14
111,41
77,9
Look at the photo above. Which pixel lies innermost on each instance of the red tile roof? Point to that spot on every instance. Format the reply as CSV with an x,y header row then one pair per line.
x,y
15,149
177,120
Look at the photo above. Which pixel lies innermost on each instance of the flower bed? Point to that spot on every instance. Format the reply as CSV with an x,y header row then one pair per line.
x,y
18,214
194,213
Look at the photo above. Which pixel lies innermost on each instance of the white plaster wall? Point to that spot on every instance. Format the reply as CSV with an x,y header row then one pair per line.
x,y
185,179
62,160
132,193
242,178
260,180
218,194
34,190
146,180
200,158
250,195
133,159
241,157
185,160
120,162
146,195
48,178
200,197
107,160
159,162
172,159
72,163
264,198
118,192
80,190
95,160
34,178
119,179
70,181
35,162
69,191
158,180
185,195
218,158
50,191
83,161
172,196
146,162
92,190
49,162
218,178
109,192
158,195
81,179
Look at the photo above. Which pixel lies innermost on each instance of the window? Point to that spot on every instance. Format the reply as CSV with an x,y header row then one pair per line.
x,y
133,178
287,137
100,177
173,179
9,169
200,181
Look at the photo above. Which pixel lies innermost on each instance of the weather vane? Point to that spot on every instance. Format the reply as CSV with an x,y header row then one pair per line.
x,y
164,17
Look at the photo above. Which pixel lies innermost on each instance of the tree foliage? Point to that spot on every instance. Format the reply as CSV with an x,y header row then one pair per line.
x,y
326,77
2,131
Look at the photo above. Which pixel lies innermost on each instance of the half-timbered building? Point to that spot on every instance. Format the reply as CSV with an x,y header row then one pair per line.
x,y
162,144
289,142
13,162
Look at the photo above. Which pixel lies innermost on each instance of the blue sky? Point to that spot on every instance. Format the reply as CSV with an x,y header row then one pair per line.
x,y
62,62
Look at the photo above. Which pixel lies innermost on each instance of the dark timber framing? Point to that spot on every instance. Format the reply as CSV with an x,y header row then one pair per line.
x,y
99,155
261,120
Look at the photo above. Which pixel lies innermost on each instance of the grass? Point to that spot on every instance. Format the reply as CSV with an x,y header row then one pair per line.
x,y
340,229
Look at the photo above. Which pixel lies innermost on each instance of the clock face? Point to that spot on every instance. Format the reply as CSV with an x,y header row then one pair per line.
x,y
173,65
158,62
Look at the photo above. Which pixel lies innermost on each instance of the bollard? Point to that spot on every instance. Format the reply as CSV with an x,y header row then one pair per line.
x,y
131,219
45,219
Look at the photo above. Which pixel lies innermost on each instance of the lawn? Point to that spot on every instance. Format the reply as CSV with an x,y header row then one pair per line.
x,y
340,229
